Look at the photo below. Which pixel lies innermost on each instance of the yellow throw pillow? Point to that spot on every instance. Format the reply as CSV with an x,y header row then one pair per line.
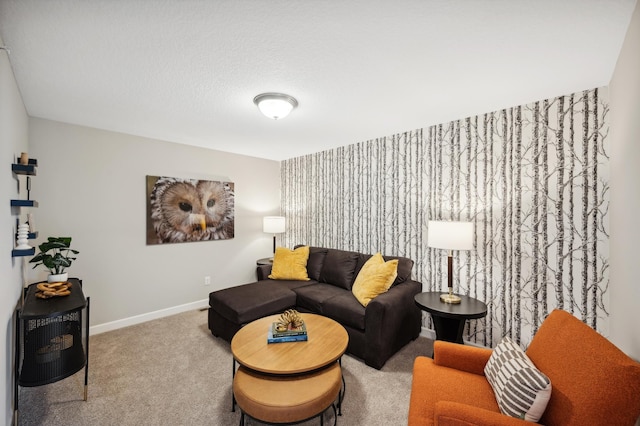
x,y
375,278
290,264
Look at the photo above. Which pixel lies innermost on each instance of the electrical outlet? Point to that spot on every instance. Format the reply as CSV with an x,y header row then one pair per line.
x,y
207,280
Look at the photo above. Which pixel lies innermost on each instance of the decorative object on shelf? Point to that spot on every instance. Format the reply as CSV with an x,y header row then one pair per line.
x,y
273,225
28,187
185,210
23,237
275,105
55,255
450,236
32,226
24,158
53,289
289,320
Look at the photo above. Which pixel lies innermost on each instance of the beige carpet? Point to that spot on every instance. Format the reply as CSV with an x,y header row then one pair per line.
x,y
172,371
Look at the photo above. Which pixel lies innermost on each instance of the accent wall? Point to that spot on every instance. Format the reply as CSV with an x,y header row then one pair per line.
x,y
533,179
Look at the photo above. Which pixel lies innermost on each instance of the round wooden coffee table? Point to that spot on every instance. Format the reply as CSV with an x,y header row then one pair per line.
x,y
327,342
287,398
290,364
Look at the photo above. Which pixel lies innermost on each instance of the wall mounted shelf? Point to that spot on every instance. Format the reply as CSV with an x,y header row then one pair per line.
x,y
24,169
19,253
24,203
29,170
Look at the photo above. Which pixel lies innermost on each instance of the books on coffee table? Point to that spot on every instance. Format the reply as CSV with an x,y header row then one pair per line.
x,y
298,334
282,339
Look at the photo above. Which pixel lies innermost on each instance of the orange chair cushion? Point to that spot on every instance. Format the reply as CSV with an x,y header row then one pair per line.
x,y
432,383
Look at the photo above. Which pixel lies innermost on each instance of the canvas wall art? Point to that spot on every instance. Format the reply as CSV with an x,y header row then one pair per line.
x,y
185,210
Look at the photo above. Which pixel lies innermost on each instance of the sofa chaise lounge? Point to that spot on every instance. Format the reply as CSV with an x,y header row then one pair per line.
x,y
389,321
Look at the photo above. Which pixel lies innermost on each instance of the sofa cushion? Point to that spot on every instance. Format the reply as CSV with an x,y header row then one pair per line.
x,y
315,262
404,266
522,391
249,302
339,268
345,309
375,278
290,264
312,297
291,284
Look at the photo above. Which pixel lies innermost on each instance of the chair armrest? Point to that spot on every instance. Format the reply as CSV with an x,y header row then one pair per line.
x,y
449,413
471,359
263,272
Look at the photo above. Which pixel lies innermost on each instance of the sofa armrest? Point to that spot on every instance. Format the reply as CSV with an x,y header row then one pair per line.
x,y
263,272
398,295
449,413
392,319
471,359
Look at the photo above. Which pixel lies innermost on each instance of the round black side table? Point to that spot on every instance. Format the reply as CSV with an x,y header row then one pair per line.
x,y
449,319
265,261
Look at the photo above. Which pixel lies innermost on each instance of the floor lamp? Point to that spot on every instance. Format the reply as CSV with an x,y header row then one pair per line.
x,y
273,225
450,236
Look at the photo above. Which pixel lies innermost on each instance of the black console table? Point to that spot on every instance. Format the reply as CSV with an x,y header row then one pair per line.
x,y
50,343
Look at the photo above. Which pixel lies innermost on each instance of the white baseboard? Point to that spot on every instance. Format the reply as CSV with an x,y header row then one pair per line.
x,y
137,319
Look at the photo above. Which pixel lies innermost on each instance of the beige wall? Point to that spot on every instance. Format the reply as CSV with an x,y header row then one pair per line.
x,y
91,186
13,140
625,193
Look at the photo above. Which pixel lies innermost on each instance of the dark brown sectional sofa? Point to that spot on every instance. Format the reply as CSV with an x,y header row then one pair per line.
x,y
390,321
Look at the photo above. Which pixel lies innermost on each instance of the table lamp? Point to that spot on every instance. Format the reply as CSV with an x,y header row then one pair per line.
x,y
273,225
450,236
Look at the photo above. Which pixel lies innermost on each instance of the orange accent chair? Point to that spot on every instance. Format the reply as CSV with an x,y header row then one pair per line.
x,y
593,382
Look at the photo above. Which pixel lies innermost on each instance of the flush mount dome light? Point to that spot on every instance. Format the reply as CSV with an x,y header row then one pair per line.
x,y
275,105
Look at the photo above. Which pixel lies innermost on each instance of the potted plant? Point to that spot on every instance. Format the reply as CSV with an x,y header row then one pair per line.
x,y
55,255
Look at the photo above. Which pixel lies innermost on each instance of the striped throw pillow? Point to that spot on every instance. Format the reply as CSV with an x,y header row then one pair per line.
x,y
522,391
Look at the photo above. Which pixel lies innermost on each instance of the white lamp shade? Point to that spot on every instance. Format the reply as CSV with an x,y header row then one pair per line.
x,y
450,235
275,105
273,224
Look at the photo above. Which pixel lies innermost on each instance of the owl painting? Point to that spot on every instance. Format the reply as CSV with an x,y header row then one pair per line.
x,y
181,210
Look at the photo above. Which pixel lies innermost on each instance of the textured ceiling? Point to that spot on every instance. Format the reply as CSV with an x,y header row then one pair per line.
x,y
186,71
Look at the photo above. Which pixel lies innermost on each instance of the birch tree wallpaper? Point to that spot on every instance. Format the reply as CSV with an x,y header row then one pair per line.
x,y
533,179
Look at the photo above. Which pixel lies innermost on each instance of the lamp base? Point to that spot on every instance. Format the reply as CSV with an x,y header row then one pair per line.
x,y
450,298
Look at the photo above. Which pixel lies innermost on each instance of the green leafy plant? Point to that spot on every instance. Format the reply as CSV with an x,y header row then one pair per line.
x,y
55,254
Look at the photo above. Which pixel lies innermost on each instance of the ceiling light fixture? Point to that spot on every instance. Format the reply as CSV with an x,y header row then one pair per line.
x,y
275,105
